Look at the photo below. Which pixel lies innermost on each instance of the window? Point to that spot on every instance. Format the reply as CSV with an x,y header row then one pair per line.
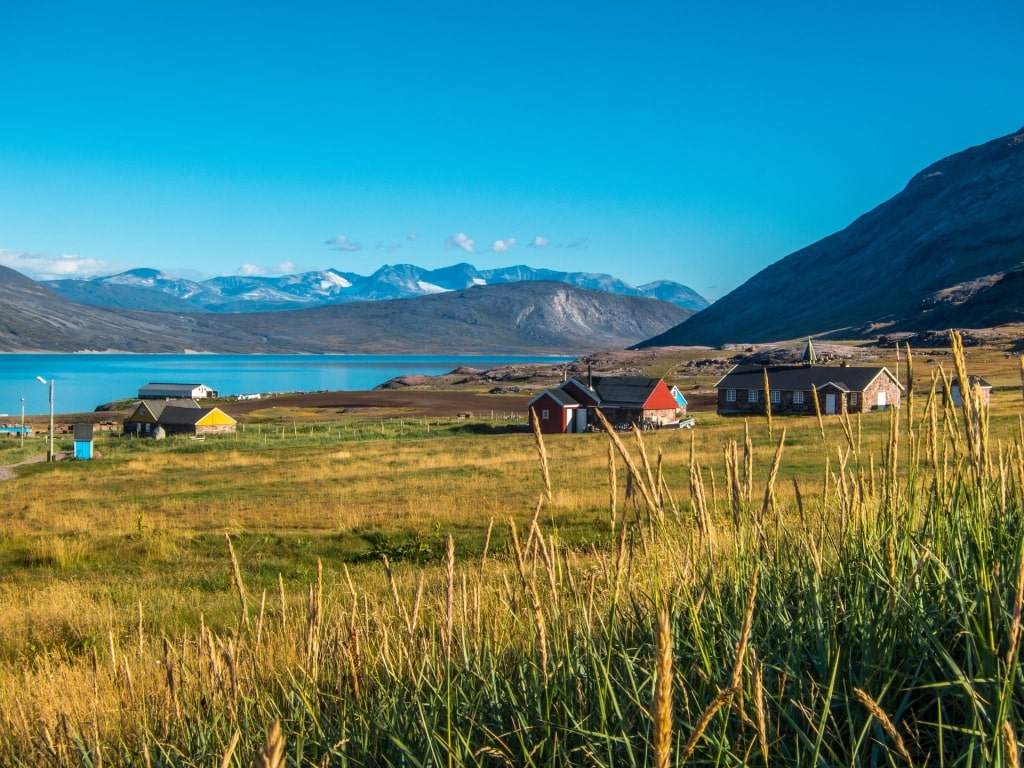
x,y
751,395
730,395
776,397
853,399
798,398
545,414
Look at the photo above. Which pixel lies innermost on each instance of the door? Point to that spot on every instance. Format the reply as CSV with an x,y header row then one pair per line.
x,y
882,401
581,420
830,403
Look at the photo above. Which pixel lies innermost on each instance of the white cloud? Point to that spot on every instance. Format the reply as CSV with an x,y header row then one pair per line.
x,y
540,242
412,236
460,240
43,266
341,243
255,270
581,242
501,246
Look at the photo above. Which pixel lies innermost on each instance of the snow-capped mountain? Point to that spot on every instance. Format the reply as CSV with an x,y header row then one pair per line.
x,y
153,290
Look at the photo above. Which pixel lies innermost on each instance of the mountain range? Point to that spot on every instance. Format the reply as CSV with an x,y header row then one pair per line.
x,y
532,317
152,290
945,252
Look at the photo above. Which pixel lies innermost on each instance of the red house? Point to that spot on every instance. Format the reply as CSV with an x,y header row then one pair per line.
x,y
556,411
622,400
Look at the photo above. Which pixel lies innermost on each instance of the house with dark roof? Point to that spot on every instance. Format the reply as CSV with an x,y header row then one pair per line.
x,y
636,400
622,400
159,418
793,389
973,382
556,411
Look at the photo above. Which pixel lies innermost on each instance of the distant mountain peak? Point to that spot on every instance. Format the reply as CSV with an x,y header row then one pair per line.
x,y
151,289
513,318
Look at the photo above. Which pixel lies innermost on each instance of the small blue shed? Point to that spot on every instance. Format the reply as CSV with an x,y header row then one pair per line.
x,y
83,441
680,400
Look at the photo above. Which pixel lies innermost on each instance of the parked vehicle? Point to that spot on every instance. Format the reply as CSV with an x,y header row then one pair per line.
x,y
681,424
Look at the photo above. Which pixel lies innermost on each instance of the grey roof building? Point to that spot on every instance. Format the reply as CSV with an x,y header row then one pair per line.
x,y
795,389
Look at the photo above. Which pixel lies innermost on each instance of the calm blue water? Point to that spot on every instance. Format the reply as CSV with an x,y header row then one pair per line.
x,y
83,381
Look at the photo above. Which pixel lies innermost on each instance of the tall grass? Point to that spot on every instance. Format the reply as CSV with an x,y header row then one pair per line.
x,y
876,621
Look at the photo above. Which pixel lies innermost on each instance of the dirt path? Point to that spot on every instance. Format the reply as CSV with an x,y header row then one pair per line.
x,y
7,471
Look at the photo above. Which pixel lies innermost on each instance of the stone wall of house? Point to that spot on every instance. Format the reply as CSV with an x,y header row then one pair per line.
x,y
869,402
742,404
216,429
789,404
617,416
662,415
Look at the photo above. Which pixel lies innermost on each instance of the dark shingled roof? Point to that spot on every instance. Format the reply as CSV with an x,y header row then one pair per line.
x,y
156,407
972,380
804,378
558,395
181,416
632,390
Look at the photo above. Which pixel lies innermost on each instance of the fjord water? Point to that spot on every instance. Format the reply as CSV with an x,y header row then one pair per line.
x,y
84,381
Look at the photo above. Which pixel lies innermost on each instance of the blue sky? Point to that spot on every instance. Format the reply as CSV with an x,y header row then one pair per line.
x,y
695,142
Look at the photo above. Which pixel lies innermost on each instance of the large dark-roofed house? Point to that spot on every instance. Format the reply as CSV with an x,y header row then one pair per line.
x,y
621,399
156,418
635,400
793,389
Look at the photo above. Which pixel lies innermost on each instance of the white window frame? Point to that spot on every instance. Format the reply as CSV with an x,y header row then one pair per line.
x,y
854,398
798,397
752,395
545,414
730,395
776,397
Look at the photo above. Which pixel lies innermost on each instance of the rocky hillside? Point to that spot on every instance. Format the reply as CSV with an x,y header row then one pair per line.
x,y
528,318
947,251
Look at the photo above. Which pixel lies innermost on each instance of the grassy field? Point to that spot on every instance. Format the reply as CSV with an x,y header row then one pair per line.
x,y
786,591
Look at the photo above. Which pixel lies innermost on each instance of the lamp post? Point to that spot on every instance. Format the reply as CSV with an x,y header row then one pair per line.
x,y
41,380
21,435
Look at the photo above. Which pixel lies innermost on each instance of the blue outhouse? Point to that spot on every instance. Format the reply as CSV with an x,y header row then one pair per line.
x,y
83,441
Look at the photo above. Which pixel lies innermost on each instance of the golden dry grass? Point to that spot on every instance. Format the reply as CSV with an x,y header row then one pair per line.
x,y
103,562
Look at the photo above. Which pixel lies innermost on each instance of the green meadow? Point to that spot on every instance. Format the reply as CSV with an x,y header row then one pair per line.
x,y
432,592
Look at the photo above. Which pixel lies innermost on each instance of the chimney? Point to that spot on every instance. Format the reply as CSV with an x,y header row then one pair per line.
x,y
590,376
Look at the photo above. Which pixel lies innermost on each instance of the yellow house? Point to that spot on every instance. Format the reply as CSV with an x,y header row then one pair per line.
x,y
157,418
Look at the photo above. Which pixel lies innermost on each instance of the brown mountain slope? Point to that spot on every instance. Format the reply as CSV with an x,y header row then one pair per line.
x,y
527,318
931,257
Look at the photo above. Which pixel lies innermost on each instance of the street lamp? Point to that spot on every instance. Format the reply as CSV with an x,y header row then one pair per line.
x,y
41,380
21,435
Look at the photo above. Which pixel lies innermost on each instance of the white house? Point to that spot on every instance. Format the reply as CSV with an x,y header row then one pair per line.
x,y
156,390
